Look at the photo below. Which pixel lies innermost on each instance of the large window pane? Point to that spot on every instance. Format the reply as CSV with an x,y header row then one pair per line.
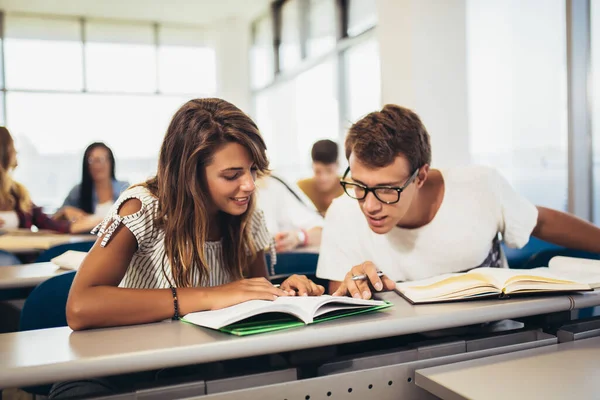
x,y
50,146
120,57
43,54
595,54
262,66
363,80
294,115
322,22
186,63
362,15
290,53
516,53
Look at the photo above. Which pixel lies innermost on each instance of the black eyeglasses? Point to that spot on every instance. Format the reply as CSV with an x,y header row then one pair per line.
x,y
385,194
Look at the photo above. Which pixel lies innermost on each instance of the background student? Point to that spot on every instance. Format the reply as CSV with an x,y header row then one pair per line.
x,y
324,186
17,210
290,217
99,187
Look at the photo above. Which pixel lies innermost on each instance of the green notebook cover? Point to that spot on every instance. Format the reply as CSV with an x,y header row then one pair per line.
x,y
260,325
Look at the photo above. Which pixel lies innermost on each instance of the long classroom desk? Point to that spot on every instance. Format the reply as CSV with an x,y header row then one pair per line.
x,y
33,242
50,355
560,371
28,275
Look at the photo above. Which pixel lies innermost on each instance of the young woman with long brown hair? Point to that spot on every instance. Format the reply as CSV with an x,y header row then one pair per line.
x,y
191,232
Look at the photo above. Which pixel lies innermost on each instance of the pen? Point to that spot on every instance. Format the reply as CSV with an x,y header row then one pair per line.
x,y
363,277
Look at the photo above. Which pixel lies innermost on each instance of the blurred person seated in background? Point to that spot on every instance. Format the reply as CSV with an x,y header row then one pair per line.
x,y
98,189
290,217
324,186
16,208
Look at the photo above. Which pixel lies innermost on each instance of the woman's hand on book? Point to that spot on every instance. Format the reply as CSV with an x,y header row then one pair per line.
x,y
240,291
362,288
301,285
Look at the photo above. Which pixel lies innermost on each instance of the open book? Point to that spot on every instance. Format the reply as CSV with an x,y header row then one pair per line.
x,y
487,282
258,316
582,270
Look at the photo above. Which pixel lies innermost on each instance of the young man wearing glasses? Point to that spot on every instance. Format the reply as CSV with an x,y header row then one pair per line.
x,y
413,222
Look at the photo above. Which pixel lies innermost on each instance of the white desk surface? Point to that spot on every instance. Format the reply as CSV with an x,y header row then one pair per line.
x,y
51,355
31,242
567,370
27,275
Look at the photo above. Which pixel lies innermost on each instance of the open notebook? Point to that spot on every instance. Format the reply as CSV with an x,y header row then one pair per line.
x,y
258,316
488,282
70,259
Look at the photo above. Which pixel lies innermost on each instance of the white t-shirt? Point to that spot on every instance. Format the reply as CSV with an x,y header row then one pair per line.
x,y
478,204
283,211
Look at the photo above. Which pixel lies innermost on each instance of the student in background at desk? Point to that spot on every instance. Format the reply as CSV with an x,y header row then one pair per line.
x,y
16,207
413,222
324,186
98,189
292,220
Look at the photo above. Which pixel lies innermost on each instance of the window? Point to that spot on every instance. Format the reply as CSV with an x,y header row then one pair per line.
x,y
595,91
290,52
86,81
362,16
363,80
120,57
322,23
517,94
43,54
297,113
52,143
262,64
186,63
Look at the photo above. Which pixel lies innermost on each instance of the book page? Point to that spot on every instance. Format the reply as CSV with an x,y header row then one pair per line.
x,y
217,319
302,307
447,287
503,277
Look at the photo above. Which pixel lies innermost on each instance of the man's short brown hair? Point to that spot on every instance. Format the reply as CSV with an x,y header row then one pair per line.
x,y
325,151
378,138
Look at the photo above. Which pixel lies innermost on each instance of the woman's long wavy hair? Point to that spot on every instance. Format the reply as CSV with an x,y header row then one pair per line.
x,y
197,131
12,193
87,182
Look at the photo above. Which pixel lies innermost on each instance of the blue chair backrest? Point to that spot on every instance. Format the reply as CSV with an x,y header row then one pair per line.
x,y
7,258
542,258
45,306
294,263
61,248
517,258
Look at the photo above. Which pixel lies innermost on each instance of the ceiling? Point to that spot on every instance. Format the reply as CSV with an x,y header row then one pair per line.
x,y
197,12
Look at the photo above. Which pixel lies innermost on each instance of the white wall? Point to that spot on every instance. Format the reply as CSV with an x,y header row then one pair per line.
x,y
422,45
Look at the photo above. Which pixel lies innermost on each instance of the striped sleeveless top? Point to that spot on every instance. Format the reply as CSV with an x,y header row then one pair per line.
x,y
145,270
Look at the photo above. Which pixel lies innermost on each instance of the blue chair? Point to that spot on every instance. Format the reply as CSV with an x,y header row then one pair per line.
x,y
542,258
46,304
294,263
46,308
61,248
7,258
518,258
